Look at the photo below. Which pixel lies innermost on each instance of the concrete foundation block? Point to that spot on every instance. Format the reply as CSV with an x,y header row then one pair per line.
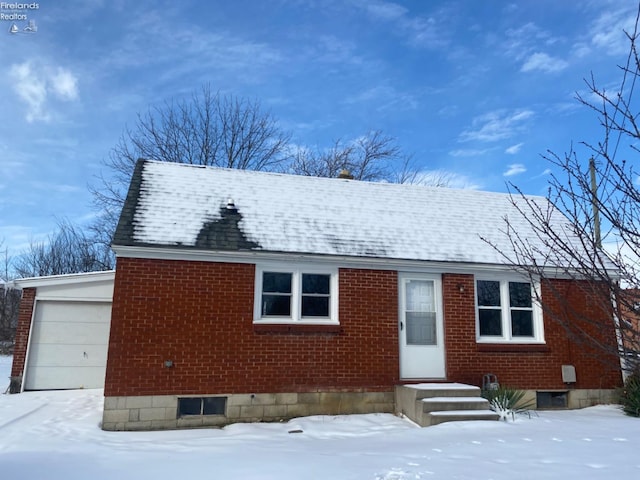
x,y
286,398
138,402
150,414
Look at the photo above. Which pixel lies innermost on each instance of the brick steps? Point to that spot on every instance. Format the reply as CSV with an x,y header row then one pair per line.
x,y
434,403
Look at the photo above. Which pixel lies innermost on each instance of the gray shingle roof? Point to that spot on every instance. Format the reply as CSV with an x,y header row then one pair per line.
x,y
185,206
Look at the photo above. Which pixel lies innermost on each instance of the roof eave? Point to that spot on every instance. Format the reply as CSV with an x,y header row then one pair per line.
x,y
71,278
261,256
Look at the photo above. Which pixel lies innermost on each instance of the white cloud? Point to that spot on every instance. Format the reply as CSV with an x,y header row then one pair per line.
x,y
31,89
386,10
514,169
421,31
449,111
34,84
513,149
521,42
580,50
469,152
496,125
65,84
385,97
56,187
607,33
543,62
147,32
335,50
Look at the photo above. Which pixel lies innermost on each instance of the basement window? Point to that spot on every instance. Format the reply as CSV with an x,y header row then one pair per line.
x,y
197,406
551,399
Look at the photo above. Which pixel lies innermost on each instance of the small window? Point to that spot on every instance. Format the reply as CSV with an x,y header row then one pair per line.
x,y
192,406
506,312
189,406
296,295
551,399
214,405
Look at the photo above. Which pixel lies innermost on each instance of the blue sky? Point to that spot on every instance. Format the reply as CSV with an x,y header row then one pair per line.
x,y
478,89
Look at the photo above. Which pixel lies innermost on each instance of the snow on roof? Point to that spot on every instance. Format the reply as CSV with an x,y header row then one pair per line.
x,y
64,279
179,205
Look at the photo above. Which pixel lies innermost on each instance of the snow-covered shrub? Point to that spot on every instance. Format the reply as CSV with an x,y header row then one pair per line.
x,y
508,402
630,398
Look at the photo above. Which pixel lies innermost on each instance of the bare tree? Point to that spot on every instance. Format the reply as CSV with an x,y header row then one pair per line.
x,y
430,178
372,157
227,131
206,129
9,303
68,250
597,245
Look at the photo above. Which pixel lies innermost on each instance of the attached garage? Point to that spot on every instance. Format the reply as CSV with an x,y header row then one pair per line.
x,y
68,333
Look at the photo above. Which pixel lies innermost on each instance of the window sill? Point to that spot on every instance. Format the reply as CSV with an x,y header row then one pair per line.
x,y
512,347
295,328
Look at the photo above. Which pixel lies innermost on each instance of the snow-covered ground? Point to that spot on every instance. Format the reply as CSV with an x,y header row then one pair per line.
x,y
5,371
56,435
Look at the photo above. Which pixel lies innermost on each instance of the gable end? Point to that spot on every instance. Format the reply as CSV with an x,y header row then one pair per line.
x,y
125,234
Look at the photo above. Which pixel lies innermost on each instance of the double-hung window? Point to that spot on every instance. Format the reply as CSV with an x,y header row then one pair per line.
x,y
300,294
507,312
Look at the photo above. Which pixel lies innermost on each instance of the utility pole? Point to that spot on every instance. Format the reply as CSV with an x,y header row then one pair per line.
x,y
594,203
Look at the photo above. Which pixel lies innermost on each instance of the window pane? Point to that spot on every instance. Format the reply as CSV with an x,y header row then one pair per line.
x,y
520,294
276,282
421,328
522,323
315,306
213,405
276,305
420,296
490,322
189,406
488,293
314,283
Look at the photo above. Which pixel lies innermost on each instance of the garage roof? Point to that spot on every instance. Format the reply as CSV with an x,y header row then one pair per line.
x,y
64,279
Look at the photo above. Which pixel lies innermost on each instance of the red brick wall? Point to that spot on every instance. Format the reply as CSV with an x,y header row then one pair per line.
x,y
200,316
526,367
22,332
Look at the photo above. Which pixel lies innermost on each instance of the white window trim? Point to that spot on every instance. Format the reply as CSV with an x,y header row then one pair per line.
x,y
296,294
538,324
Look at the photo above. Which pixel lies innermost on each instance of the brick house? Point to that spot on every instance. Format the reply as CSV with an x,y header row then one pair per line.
x,y
244,296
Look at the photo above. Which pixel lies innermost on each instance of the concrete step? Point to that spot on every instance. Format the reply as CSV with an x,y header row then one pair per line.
x,y
433,403
430,390
436,418
443,404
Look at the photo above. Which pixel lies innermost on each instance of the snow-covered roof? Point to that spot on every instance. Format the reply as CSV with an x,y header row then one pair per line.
x,y
65,279
186,206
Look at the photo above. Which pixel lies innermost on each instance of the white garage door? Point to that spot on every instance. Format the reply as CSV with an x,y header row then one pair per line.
x,y
68,346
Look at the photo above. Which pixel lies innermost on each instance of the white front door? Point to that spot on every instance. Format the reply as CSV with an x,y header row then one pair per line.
x,y
420,324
